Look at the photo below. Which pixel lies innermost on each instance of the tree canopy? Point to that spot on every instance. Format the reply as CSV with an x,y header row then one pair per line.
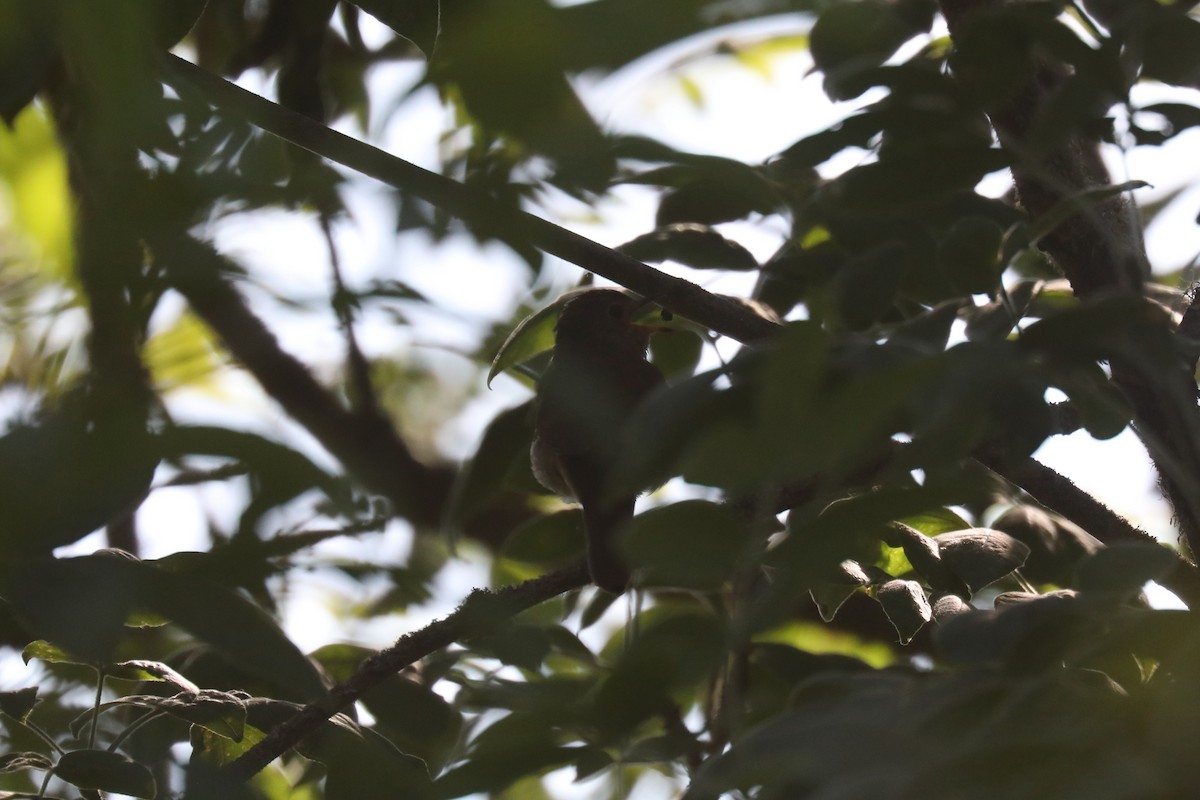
x,y
857,581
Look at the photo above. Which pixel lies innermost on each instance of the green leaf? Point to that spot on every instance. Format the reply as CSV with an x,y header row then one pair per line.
x,y
44,651
15,762
415,719
107,772
142,670
969,254
981,556
172,19
676,353
1056,545
692,544
673,654
19,702
849,38
237,628
940,520
1123,568
713,199
547,540
1171,50
57,600
906,607
220,713
361,764
27,47
505,444
829,595
533,335
691,244
419,21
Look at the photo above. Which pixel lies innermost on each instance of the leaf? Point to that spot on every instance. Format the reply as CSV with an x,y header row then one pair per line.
x,y
852,37
949,605
419,21
107,772
928,332
692,544
234,626
969,254
548,540
185,355
924,554
906,607
415,719
830,595
27,47
981,556
940,520
691,244
1027,635
533,335
172,19
676,353
47,652
56,599
716,198
505,443
361,764
151,670
15,762
1171,44
1123,568
281,472
19,702
672,654
1056,545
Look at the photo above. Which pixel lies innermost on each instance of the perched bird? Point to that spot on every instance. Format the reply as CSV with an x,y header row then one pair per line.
x,y
596,377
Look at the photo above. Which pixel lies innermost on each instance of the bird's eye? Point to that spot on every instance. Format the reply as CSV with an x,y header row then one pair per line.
x,y
616,311
667,316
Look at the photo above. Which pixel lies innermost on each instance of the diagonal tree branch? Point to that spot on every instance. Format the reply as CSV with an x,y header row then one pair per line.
x,y
1059,493
678,295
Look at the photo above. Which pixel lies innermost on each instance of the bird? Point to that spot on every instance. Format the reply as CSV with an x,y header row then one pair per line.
x,y
597,375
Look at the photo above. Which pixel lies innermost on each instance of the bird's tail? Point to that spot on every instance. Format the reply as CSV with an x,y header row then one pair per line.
x,y
608,569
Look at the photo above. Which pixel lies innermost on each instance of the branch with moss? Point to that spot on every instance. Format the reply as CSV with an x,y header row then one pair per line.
x,y
478,614
1099,249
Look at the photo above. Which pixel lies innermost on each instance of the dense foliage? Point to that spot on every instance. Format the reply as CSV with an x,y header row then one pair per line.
x,y
858,581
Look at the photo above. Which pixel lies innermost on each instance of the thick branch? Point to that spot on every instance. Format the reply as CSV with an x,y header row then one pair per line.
x,y
366,443
680,296
1100,250
478,614
1060,494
